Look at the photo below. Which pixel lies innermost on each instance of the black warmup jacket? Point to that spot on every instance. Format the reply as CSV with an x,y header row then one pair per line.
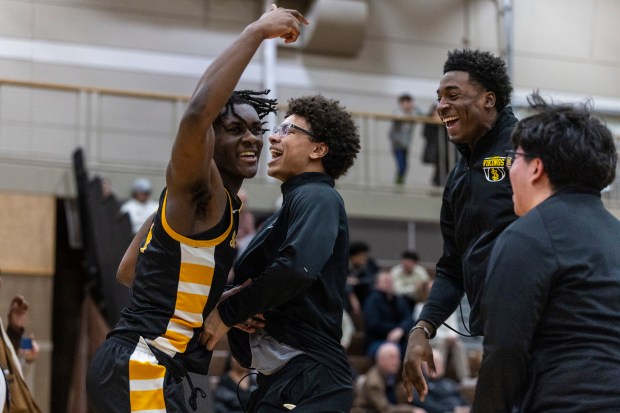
x,y
298,262
476,207
552,311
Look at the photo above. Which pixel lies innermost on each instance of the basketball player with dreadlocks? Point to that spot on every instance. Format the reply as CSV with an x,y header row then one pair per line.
x,y
183,255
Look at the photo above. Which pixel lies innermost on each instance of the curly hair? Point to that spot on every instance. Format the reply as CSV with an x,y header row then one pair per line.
x,y
330,123
576,148
485,69
263,106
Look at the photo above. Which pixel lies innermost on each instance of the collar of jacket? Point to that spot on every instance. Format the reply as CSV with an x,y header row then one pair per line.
x,y
306,178
506,117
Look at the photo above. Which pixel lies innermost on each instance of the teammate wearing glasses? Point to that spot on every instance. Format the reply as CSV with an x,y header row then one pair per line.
x,y
298,266
473,103
178,263
550,305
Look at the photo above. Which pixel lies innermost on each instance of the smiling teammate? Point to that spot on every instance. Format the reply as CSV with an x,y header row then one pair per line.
x,y
473,103
298,265
182,264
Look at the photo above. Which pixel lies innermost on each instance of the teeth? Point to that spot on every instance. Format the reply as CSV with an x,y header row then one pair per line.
x,y
248,153
449,119
275,152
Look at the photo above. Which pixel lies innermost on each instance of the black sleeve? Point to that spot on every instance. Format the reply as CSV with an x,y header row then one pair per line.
x,y
447,288
313,221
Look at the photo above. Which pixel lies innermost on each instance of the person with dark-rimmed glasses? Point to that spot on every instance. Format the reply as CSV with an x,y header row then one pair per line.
x,y
297,264
511,155
551,303
283,129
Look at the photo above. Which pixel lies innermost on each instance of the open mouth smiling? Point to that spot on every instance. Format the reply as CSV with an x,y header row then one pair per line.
x,y
275,153
450,120
249,155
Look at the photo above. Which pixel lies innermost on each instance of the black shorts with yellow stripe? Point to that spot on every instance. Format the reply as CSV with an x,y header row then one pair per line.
x,y
124,376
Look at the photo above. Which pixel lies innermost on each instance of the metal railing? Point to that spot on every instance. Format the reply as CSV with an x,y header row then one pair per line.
x,y
132,132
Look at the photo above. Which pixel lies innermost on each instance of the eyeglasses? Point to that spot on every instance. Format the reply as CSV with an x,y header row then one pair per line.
x,y
284,129
512,155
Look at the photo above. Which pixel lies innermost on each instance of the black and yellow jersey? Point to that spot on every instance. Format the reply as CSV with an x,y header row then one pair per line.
x,y
178,281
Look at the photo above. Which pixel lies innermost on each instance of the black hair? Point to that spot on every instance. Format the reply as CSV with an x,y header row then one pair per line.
x,y
411,255
356,247
263,106
330,123
405,97
485,69
575,147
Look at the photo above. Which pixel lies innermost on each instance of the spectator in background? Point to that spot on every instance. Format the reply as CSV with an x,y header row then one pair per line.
x,y
443,393
362,274
436,147
376,391
409,277
140,206
18,395
401,134
387,316
232,394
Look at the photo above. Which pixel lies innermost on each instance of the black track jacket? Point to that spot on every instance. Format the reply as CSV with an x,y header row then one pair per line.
x,y
552,311
476,207
298,262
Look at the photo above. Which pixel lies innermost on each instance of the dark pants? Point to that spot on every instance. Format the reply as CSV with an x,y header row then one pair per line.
x,y
306,384
401,164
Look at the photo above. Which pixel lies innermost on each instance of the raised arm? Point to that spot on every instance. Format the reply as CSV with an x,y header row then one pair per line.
x,y
192,152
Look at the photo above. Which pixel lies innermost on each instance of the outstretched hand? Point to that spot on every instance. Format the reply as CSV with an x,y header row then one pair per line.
x,y
282,23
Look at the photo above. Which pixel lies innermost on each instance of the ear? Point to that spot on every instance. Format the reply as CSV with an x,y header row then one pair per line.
x,y
319,151
537,170
489,100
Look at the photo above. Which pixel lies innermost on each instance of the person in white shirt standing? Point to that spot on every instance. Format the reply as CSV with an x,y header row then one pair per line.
x,y
140,206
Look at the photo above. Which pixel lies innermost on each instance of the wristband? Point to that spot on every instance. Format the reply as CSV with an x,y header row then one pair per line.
x,y
426,331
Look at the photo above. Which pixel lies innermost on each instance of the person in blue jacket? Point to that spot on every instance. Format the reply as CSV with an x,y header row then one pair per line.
x,y
552,307
298,266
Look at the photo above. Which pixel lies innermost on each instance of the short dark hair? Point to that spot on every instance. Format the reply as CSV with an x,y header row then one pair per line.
x,y
410,255
355,247
485,69
575,147
405,97
330,123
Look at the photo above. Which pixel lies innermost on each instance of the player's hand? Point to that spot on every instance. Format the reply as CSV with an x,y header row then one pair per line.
x,y
213,329
418,351
280,22
252,324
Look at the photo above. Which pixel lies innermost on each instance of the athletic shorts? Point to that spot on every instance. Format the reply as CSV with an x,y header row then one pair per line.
x,y
306,384
124,376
